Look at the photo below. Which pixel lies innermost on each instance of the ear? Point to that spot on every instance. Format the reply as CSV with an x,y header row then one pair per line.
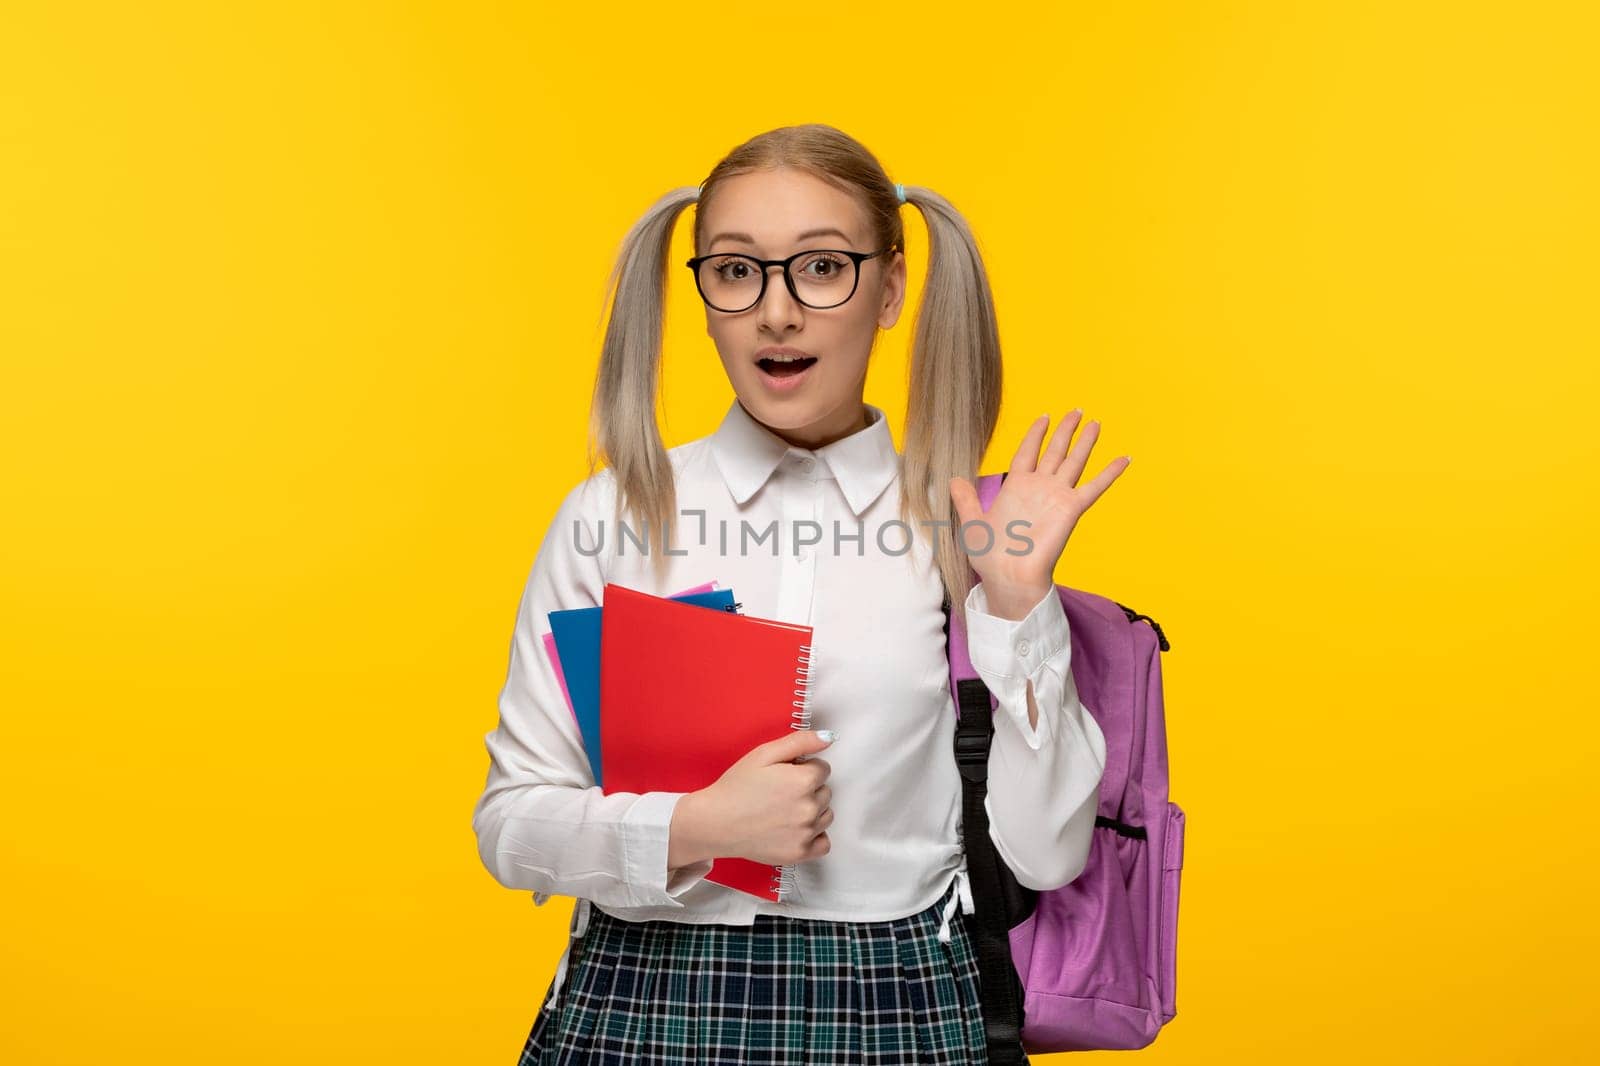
x,y
894,292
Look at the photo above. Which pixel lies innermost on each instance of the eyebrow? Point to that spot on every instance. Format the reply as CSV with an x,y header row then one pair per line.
x,y
745,238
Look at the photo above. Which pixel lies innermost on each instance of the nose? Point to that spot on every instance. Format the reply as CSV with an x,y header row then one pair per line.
x,y
778,307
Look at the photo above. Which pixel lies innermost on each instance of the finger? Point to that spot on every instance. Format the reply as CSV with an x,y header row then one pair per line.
x,y
965,498
826,819
1056,453
1072,467
824,795
1027,457
793,746
1102,481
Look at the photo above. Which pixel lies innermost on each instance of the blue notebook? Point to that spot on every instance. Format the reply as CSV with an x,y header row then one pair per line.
x,y
577,636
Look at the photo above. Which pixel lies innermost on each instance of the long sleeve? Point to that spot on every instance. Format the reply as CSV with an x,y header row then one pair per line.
x,y
542,823
1044,782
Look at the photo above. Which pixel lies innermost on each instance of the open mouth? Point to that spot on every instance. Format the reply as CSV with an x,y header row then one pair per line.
x,y
785,366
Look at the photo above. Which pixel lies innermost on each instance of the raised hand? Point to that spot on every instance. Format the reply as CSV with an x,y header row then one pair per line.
x,y
1041,491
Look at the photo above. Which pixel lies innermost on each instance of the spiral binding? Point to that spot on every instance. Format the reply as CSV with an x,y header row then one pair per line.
x,y
784,876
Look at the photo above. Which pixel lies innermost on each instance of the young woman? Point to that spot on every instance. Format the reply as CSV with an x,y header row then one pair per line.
x,y
801,504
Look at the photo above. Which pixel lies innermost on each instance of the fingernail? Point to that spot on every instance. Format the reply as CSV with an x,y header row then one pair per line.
x,y
827,736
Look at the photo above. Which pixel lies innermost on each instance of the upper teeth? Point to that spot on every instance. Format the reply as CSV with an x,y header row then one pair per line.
x,y
787,358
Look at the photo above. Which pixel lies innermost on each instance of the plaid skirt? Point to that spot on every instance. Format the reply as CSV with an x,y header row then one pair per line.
x,y
785,991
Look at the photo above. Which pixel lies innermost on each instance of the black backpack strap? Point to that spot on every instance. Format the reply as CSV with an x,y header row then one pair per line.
x,y
991,938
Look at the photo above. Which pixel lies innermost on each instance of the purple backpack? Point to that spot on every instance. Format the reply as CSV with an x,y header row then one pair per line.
x,y
1093,964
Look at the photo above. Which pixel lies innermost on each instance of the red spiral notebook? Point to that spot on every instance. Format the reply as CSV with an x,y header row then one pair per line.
x,y
686,692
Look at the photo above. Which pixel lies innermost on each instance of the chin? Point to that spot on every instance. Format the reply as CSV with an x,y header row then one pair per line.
x,y
781,413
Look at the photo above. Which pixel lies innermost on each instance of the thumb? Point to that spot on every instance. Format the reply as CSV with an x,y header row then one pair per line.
x,y
965,497
798,743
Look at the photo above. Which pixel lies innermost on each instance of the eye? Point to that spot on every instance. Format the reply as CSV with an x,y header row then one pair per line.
x,y
823,266
731,269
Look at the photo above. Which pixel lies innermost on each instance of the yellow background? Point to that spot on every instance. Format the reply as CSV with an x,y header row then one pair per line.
x,y
299,316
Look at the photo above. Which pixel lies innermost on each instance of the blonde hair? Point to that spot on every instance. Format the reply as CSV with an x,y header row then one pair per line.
x,y
954,374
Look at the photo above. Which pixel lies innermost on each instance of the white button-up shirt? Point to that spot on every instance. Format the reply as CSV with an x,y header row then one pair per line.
x,y
841,562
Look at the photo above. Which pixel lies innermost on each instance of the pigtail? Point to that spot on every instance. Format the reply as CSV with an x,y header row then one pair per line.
x,y
954,395
623,423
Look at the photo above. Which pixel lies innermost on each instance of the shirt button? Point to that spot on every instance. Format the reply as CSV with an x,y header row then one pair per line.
x,y
1023,646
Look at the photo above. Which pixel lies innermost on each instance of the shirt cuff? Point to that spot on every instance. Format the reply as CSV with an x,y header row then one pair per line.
x,y
646,832
1010,653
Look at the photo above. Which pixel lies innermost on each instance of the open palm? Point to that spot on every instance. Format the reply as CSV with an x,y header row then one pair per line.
x,y
1041,491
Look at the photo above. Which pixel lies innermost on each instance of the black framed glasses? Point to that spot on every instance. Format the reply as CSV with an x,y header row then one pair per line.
x,y
818,278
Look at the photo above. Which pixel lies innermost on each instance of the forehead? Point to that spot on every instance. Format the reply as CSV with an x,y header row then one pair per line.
x,y
773,211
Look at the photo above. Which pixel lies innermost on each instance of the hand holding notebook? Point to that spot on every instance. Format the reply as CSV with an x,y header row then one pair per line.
x,y
686,692
773,805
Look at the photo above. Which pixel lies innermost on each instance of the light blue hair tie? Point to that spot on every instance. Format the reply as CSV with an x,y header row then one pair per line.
x,y
900,192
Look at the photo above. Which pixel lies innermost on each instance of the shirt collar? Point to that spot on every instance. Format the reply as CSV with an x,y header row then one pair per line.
x,y
863,463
